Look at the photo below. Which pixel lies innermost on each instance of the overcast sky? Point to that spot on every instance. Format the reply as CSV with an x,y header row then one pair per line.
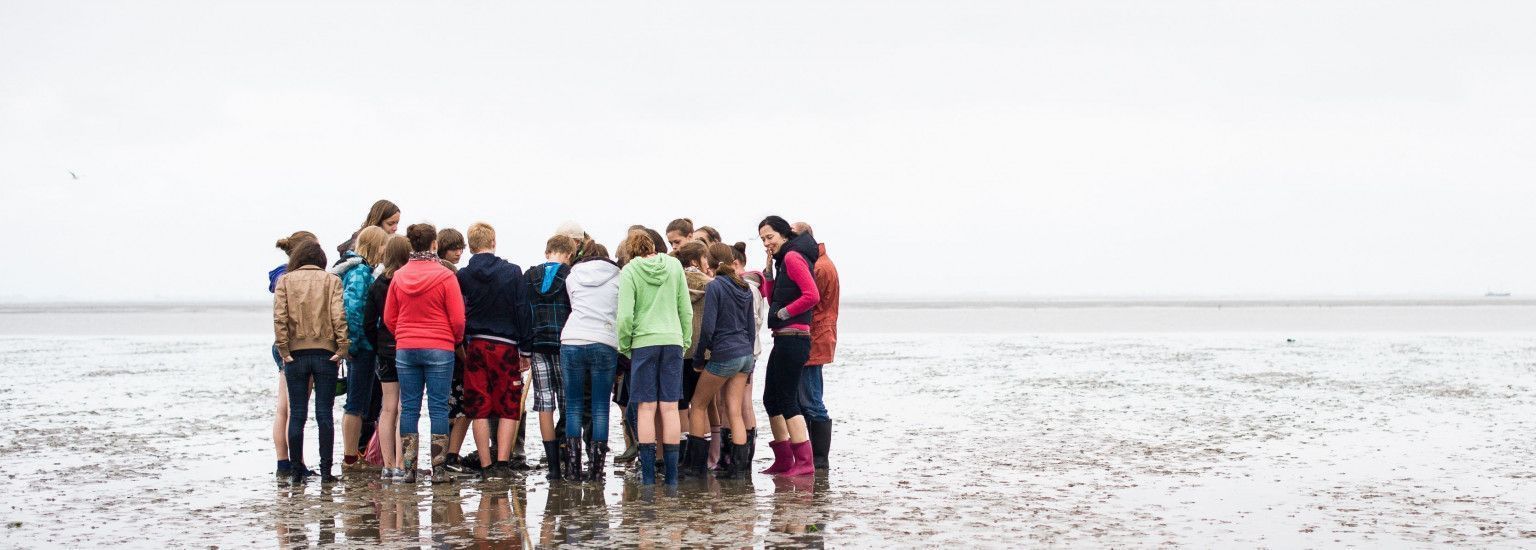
x,y
940,149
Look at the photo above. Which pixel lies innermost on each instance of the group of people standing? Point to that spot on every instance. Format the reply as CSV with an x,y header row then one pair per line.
x,y
673,337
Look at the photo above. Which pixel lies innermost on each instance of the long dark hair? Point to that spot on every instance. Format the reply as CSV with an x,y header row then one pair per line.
x,y
381,210
778,225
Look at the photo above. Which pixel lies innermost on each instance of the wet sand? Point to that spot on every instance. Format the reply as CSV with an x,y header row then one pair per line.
x,y
1194,439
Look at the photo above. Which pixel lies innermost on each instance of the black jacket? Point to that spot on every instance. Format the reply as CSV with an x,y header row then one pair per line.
x,y
495,299
785,291
374,330
549,305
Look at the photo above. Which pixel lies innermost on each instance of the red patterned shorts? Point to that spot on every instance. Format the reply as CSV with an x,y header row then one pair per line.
x,y
493,380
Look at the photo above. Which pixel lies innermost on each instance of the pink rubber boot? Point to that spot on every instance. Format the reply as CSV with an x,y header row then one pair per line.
x,y
782,459
805,461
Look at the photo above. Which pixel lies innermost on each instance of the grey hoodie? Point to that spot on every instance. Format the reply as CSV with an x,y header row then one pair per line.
x,y
593,287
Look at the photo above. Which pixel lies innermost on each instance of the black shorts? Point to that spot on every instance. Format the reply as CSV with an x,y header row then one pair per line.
x,y
690,379
386,369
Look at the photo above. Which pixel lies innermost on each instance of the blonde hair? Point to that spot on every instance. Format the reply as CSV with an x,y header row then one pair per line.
x,y
481,236
370,244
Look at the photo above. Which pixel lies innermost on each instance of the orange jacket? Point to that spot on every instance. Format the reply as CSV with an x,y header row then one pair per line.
x,y
824,317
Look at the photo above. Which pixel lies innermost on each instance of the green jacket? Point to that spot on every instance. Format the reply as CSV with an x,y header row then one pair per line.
x,y
654,308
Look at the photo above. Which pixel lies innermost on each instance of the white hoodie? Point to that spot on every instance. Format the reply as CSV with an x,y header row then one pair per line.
x,y
593,287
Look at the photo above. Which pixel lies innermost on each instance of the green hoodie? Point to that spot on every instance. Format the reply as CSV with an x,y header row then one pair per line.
x,y
654,308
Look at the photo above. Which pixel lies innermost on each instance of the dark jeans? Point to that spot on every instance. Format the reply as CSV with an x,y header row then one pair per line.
x,y
781,387
307,365
810,395
588,378
362,376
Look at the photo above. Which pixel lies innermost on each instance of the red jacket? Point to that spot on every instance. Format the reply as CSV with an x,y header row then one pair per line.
x,y
824,317
424,309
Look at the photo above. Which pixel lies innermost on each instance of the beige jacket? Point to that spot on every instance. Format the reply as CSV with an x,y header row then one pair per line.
x,y
697,281
307,313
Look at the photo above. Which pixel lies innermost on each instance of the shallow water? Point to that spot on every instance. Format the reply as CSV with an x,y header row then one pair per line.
x,y
1186,439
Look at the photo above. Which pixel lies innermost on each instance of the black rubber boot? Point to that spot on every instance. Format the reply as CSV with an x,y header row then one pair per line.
x,y
552,456
571,470
821,441
597,455
741,466
725,451
751,447
695,457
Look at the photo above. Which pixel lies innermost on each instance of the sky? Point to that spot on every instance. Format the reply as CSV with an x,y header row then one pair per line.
x,y
940,149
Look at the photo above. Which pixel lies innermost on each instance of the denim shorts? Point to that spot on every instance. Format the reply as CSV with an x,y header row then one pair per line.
x,y
731,367
656,374
277,357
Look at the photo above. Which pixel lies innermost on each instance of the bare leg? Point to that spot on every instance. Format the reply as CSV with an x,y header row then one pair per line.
x,y
456,430
482,429
703,394
671,426
547,425
780,429
280,419
389,424
506,430
748,414
733,404
646,420
796,427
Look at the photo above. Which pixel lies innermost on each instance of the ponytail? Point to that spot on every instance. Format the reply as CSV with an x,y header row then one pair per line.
x,y
720,259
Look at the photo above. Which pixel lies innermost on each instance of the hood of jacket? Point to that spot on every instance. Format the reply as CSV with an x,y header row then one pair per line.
x,y
652,270
549,274
420,276
804,244
593,272
348,261
739,297
486,267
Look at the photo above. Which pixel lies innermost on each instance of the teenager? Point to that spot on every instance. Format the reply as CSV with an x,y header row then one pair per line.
x,y
678,232
792,295
655,323
550,307
691,254
280,412
397,251
356,272
754,280
589,351
383,214
310,326
424,309
823,347
450,249
725,337
497,311
707,234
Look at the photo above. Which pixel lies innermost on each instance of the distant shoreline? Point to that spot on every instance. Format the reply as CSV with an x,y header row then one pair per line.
x,y
967,303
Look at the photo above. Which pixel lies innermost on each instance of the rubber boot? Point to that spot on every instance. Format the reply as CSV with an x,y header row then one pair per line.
x,y
683,449
782,459
631,447
571,470
552,457
714,448
440,459
597,455
698,453
739,466
669,452
724,441
804,463
409,448
647,454
821,441
751,448
519,460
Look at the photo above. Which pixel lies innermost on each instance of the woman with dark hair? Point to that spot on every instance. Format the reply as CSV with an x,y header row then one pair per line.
x,y
311,329
383,214
707,234
791,292
678,232
280,414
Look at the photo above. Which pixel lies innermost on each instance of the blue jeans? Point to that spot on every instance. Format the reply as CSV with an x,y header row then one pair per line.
x,y
362,376
588,373
432,368
309,364
810,395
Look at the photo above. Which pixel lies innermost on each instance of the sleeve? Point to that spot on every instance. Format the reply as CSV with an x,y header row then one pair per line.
x,y
372,311
707,324
280,320
800,273
626,319
391,310
684,306
453,301
522,311
338,317
766,287
355,299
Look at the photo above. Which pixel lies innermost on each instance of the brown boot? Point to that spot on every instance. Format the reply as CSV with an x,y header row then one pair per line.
x,y
409,448
440,459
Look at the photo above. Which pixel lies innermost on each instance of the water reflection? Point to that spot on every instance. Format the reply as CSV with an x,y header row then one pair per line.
x,y
527,511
